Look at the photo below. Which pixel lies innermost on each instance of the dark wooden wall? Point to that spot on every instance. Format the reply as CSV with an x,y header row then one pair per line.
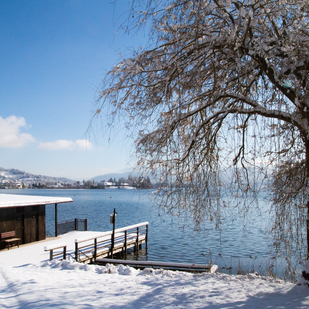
x,y
27,222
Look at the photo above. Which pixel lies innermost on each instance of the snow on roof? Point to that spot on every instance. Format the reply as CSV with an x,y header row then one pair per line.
x,y
16,200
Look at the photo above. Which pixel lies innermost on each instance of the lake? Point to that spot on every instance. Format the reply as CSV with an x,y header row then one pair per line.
x,y
237,243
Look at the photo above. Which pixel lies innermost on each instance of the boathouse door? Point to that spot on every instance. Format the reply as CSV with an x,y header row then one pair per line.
x,y
20,224
34,226
27,224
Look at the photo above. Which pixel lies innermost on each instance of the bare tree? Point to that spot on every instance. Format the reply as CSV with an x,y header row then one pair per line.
x,y
223,85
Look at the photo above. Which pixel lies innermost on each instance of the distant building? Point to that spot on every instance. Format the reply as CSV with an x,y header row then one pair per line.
x,y
106,183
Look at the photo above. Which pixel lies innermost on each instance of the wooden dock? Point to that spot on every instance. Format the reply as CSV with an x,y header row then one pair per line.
x,y
101,248
108,243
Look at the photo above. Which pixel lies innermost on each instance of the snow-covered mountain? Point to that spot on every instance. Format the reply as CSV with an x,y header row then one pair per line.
x,y
9,177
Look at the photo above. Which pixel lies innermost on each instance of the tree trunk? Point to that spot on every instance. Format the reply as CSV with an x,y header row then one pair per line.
x,y
305,272
307,172
308,230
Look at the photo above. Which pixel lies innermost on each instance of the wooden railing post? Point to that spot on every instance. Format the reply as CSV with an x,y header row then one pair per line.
x,y
125,243
137,230
95,249
65,253
76,251
86,225
56,220
76,224
146,238
51,255
113,235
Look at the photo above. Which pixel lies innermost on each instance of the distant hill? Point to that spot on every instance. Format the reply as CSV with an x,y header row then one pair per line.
x,y
112,175
18,175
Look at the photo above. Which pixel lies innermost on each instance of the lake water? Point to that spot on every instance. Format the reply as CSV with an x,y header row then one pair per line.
x,y
238,244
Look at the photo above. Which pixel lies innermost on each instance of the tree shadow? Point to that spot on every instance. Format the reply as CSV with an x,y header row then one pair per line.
x,y
183,295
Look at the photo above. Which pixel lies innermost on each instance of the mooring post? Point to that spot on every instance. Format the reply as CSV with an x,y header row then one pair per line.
x,y
86,225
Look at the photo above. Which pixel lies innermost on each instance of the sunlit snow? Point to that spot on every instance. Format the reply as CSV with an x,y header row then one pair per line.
x,y
29,280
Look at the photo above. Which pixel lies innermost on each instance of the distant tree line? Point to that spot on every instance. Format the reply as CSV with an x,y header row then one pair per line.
x,y
132,181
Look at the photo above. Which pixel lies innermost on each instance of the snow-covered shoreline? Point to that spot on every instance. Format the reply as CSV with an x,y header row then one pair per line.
x,y
29,280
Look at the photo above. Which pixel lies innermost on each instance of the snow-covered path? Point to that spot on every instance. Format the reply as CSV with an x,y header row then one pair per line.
x,y
27,282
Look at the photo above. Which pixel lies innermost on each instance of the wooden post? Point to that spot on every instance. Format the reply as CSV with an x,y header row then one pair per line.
x,y
50,255
113,235
95,250
86,225
146,240
76,251
136,246
76,226
65,252
56,220
125,243
140,246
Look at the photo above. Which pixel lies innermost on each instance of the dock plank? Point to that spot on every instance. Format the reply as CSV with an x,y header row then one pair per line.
x,y
165,265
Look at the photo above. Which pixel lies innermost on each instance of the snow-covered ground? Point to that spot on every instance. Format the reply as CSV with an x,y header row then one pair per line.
x,y
29,280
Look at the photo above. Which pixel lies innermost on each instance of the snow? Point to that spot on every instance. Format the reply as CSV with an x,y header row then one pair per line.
x,y
29,280
16,200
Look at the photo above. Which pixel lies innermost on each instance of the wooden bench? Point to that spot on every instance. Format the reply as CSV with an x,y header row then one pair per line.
x,y
9,238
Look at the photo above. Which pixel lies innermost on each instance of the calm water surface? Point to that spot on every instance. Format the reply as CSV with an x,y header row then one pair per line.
x,y
240,243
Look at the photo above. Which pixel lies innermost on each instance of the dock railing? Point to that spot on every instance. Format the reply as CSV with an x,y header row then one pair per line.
x,y
72,225
53,253
106,245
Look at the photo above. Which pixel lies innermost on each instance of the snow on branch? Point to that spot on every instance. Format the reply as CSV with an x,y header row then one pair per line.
x,y
221,77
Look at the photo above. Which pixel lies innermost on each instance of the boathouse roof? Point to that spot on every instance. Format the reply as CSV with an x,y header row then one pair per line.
x,y
17,200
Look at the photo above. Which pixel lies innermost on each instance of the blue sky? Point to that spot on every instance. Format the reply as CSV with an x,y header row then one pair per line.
x,y
53,56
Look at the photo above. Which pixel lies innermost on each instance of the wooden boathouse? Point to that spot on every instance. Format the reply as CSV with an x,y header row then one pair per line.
x,y
25,215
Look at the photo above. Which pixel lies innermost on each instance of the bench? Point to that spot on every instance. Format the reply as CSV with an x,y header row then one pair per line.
x,y
9,238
